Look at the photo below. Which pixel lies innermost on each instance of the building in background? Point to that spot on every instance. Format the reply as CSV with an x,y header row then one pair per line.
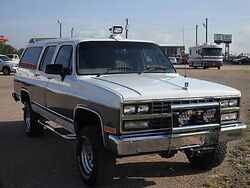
x,y
172,50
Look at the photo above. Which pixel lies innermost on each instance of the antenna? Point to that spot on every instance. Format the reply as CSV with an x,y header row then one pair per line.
x,y
183,41
185,71
126,28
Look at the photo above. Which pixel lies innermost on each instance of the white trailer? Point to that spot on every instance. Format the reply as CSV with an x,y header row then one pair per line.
x,y
205,55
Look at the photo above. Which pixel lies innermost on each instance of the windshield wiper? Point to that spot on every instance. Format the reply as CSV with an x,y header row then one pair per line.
x,y
153,68
114,68
119,68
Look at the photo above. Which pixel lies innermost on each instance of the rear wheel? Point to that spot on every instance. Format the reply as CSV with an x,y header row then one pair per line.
x,y
6,71
209,160
95,164
31,125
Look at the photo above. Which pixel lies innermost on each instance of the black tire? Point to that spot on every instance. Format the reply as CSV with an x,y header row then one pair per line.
x,y
209,160
195,67
218,68
6,71
95,164
31,125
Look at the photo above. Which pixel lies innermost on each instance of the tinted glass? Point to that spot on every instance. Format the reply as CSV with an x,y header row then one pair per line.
x,y
64,56
30,57
212,52
47,57
120,57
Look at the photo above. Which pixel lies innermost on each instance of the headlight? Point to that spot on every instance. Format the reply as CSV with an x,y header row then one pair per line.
x,y
143,109
229,103
129,109
233,102
133,109
228,117
133,125
224,103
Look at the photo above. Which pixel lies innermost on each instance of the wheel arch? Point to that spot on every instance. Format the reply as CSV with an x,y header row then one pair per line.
x,y
25,95
84,116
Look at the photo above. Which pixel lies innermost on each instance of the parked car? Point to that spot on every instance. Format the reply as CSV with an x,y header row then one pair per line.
x,y
120,98
7,65
14,57
172,60
241,60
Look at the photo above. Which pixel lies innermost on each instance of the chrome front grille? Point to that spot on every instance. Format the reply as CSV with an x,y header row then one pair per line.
x,y
160,107
162,115
164,106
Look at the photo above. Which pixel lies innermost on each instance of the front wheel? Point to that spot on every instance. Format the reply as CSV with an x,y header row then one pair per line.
x,y
31,125
95,164
209,160
6,71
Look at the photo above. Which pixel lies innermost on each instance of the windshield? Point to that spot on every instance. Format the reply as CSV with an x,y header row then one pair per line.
x,y
212,52
5,58
121,57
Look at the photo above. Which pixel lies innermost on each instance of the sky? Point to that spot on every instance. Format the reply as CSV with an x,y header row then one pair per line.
x,y
161,21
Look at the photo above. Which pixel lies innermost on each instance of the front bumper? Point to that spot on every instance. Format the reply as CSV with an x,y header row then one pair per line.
x,y
178,139
13,69
212,64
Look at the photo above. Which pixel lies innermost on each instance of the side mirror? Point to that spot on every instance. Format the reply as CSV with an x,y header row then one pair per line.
x,y
54,69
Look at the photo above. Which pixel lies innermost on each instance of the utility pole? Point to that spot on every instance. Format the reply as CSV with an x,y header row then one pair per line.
x,y
196,35
206,30
183,39
72,32
126,28
60,28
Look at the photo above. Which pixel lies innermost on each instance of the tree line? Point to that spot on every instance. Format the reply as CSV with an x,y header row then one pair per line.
x,y
8,49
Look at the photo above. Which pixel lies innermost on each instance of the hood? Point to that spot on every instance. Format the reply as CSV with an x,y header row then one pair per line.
x,y
148,86
10,62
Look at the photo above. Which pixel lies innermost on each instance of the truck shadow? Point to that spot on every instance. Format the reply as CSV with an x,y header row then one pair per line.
x,y
49,161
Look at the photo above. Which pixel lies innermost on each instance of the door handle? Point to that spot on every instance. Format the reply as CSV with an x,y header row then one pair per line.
x,y
37,74
50,77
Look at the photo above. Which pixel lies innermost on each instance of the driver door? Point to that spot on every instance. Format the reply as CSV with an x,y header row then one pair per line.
x,y
58,86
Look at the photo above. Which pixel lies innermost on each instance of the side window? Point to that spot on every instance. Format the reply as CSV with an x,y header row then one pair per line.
x,y
30,57
64,57
47,57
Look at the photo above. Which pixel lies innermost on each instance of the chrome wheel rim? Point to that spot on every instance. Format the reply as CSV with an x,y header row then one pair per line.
x,y
86,155
27,119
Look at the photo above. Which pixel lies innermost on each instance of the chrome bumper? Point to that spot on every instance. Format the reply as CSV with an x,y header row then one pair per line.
x,y
180,138
13,69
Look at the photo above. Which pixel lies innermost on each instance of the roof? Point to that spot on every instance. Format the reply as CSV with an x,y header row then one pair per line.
x,y
207,45
78,40
171,45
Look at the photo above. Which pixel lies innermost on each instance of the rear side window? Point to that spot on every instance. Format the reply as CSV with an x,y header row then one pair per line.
x,y
47,57
30,57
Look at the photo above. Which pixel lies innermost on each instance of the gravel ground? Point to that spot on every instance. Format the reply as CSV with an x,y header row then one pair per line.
x,y
49,161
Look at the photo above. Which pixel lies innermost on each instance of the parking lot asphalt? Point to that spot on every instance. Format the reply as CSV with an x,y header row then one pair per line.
x,y
49,161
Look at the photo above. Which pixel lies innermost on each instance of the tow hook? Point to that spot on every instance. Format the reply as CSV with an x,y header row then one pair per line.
x,y
199,151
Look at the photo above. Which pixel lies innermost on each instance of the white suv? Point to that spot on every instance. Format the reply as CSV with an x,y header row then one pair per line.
x,y
119,97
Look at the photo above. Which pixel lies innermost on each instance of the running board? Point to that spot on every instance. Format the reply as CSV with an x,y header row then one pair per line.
x,y
57,129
